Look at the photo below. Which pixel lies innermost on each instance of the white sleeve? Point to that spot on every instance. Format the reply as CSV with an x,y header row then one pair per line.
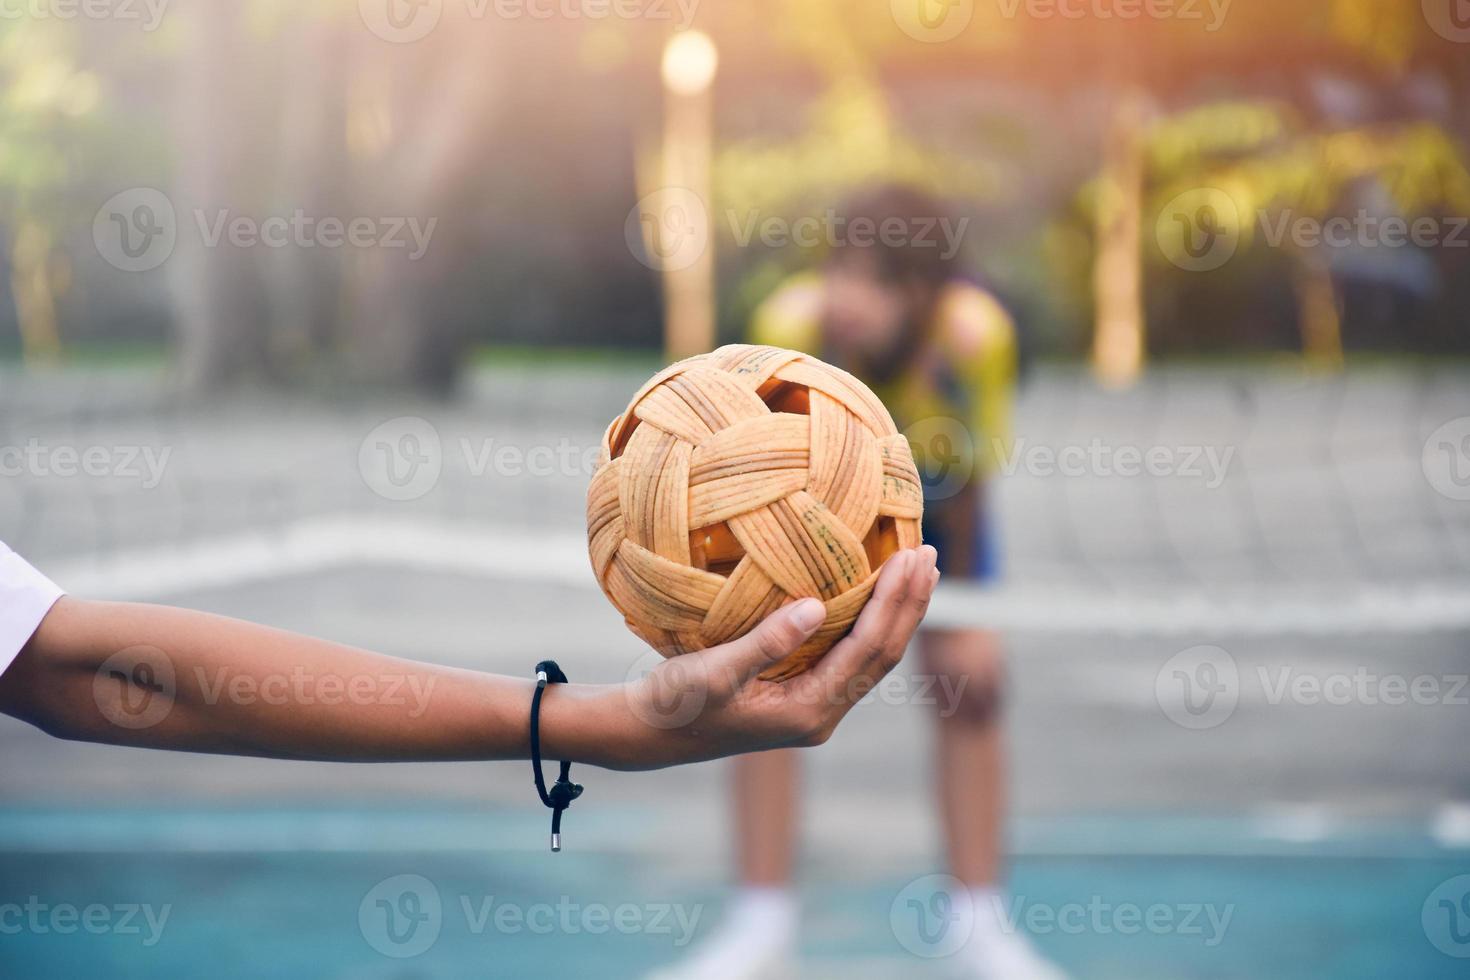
x,y
25,597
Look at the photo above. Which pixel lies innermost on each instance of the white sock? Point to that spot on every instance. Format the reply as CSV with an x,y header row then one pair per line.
x,y
764,915
992,912
757,931
999,948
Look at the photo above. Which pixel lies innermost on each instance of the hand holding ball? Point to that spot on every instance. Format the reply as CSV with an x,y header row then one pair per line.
x,y
738,481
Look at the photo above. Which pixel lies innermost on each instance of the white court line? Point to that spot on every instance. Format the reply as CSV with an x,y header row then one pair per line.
x,y
558,558
1299,824
1451,825
1311,831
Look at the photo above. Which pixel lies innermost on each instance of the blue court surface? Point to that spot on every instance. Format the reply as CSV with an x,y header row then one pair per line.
x,y
1293,837
157,895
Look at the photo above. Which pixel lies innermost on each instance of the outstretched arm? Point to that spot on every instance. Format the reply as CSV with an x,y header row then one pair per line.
x,y
169,678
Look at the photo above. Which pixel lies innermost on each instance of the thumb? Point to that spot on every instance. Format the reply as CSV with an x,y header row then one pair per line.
x,y
777,637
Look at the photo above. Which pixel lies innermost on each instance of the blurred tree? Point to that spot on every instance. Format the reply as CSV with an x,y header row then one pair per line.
x,y
47,105
516,135
355,127
1246,95
417,115
218,289
306,286
1272,171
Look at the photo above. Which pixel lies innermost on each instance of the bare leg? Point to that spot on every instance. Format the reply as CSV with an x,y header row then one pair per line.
x,y
971,752
765,790
972,797
756,936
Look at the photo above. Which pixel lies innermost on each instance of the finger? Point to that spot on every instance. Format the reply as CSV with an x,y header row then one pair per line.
x,y
910,611
882,650
869,652
775,639
921,589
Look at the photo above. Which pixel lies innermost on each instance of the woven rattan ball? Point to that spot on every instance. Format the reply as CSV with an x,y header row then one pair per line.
x,y
740,480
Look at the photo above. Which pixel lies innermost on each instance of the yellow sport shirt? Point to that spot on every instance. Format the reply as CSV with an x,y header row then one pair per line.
x,y
968,374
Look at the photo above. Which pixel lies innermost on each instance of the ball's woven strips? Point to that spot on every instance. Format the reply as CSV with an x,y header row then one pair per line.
x,y
739,480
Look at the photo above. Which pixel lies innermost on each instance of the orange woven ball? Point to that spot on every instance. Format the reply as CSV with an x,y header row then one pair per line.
x,y
738,481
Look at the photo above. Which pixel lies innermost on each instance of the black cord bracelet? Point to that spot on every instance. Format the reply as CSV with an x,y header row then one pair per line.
x,y
564,791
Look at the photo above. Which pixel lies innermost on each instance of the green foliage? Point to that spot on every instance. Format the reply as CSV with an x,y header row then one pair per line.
x,y
47,100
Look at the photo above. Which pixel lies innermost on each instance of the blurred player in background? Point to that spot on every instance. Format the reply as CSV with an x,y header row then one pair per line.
x,y
897,311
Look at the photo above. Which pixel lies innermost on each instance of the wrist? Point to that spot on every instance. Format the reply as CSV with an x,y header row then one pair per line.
x,y
589,723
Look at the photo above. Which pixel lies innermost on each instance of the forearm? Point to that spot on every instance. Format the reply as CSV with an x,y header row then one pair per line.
x,y
165,678
171,678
